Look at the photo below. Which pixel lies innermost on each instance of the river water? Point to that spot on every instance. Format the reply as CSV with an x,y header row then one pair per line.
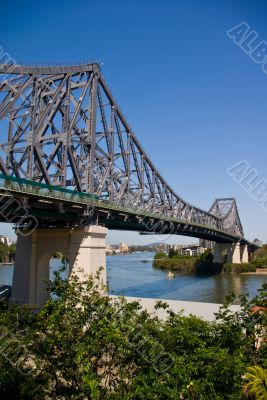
x,y
128,275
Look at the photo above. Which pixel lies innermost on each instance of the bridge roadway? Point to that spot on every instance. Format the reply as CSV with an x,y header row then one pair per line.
x,y
54,208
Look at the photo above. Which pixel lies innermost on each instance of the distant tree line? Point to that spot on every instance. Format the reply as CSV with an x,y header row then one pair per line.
x,y
201,264
134,248
260,257
204,263
7,252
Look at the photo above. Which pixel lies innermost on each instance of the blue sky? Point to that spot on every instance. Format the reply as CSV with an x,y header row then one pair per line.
x,y
193,97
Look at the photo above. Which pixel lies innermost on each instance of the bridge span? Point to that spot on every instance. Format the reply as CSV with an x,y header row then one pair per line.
x,y
72,167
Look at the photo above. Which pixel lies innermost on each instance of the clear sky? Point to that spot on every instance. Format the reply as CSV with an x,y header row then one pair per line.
x,y
193,97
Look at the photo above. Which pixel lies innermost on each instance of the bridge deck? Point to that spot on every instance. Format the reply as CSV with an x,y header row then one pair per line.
x,y
43,202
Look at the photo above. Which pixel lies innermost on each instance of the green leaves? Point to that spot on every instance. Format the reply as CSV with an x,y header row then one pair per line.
x,y
86,345
256,378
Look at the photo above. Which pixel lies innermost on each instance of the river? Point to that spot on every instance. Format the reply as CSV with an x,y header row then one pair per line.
x,y
129,276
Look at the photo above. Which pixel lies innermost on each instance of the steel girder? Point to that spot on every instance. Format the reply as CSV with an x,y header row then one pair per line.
x,y
61,125
226,210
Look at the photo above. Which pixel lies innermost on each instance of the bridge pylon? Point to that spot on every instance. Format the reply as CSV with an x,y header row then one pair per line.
x,y
84,247
236,253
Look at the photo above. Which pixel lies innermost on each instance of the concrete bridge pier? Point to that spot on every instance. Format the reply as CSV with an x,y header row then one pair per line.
x,y
85,247
236,253
244,253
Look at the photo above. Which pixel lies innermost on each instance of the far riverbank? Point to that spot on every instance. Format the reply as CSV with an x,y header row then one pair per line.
x,y
259,271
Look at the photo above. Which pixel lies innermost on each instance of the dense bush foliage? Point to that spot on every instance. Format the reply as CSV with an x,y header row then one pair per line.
x,y
256,386
144,248
159,256
239,268
7,253
260,257
177,263
173,253
202,264
260,262
85,345
205,264
261,252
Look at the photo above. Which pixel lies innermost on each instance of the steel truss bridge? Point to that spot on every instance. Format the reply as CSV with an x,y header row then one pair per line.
x,y
69,157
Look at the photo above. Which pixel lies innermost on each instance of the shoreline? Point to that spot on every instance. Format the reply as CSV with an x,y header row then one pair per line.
x,y
259,271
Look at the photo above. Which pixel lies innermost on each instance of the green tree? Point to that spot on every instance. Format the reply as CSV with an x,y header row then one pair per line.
x,y
173,253
205,264
159,256
261,252
256,378
86,345
12,252
4,252
260,257
206,257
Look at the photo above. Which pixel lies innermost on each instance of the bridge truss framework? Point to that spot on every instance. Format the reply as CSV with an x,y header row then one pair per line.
x,y
62,126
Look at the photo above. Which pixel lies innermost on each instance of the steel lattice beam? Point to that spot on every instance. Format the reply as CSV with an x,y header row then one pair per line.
x,y
61,125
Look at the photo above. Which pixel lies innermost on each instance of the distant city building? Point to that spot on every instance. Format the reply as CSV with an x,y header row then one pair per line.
x,y
207,244
193,250
123,248
5,240
177,247
257,242
109,249
163,247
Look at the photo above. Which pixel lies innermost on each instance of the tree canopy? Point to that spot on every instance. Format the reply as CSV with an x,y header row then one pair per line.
x,y
84,344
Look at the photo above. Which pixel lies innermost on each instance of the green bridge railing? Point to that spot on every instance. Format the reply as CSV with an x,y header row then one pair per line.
x,y
38,189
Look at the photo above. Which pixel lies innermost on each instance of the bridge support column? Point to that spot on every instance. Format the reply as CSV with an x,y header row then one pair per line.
x,y
85,248
87,251
217,253
218,250
233,252
236,254
244,253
